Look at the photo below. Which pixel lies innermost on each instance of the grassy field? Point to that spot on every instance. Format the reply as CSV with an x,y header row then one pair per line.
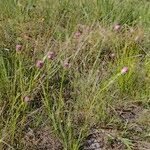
x,y
74,74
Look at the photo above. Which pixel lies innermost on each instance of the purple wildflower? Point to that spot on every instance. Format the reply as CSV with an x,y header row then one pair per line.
x,y
124,70
39,64
26,99
77,34
18,47
66,64
51,55
117,27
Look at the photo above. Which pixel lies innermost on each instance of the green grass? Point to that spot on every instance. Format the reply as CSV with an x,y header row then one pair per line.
x,y
71,100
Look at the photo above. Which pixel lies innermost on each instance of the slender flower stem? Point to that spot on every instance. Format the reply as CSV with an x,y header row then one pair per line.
x,y
104,88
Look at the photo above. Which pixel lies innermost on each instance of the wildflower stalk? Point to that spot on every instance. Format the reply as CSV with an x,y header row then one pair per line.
x,y
104,88
61,89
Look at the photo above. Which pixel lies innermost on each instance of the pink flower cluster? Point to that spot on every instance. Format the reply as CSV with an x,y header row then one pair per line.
x,y
26,99
66,64
18,47
51,55
124,70
39,64
117,27
78,34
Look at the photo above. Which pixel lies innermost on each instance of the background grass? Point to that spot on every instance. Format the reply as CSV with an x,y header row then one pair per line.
x,y
71,101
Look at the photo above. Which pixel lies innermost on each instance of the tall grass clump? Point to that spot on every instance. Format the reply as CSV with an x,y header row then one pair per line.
x,y
66,65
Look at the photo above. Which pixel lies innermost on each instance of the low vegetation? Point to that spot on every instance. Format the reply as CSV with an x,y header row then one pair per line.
x,y
72,71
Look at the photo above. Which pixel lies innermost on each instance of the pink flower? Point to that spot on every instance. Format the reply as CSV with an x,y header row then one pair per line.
x,y
39,64
26,99
18,47
124,70
117,27
77,34
66,64
51,55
